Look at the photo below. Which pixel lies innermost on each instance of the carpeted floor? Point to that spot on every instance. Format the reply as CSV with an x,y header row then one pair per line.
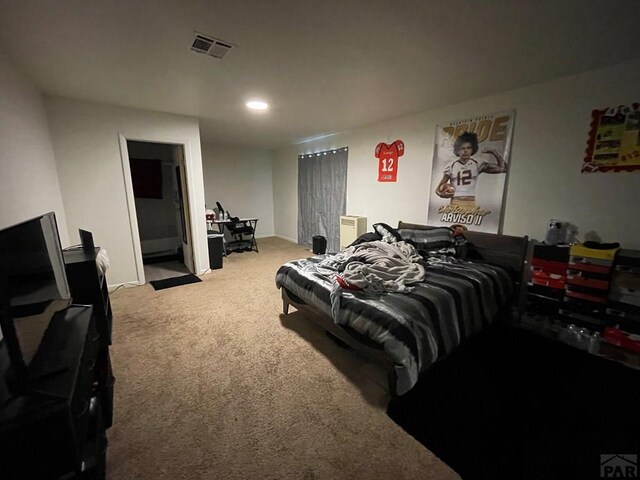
x,y
213,383
513,405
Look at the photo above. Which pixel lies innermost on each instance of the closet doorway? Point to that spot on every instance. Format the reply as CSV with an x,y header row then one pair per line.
x,y
159,209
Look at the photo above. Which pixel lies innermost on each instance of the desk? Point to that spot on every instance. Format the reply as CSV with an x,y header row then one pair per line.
x,y
236,245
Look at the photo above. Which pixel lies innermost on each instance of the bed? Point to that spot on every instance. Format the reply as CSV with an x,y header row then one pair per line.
x,y
405,333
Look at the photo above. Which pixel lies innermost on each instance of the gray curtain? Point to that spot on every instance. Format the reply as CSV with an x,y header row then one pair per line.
x,y
322,196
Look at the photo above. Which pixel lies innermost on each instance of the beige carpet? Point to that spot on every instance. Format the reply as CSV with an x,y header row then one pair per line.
x,y
214,383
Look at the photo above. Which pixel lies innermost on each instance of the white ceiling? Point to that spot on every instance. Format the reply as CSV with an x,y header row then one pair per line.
x,y
324,65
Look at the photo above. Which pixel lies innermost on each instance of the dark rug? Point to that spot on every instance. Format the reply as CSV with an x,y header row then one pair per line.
x,y
175,281
512,404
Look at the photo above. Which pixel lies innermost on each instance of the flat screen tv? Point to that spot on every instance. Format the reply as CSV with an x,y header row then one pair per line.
x,y
33,286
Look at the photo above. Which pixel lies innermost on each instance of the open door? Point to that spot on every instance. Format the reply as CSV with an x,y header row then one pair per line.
x,y
183,198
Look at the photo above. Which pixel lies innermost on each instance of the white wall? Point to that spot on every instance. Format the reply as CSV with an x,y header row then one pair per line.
x,y
285,191
87,151
28,176
241,179
544,181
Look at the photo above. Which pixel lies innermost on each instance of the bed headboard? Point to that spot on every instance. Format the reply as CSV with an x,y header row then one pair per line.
x,y
505,251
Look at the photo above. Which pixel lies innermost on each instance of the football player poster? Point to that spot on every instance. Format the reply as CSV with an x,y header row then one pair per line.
x,y
470,165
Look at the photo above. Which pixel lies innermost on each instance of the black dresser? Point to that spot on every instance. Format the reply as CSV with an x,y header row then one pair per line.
x,y
57,430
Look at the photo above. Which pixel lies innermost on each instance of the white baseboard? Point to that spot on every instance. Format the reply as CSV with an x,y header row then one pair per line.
x,y
287,239
113,287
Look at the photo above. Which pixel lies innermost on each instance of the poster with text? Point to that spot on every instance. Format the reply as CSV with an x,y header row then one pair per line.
x,y
614,140
470,165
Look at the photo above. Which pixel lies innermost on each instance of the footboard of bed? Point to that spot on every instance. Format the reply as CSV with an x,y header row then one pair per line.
x,y
353,339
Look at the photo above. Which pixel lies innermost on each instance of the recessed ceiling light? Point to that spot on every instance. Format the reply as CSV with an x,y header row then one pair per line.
x,y
257,105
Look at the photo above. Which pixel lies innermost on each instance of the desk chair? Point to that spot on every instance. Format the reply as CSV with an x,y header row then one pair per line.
x,y
237,228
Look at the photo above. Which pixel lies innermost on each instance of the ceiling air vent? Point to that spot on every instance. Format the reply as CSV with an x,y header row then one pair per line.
x,y
210,46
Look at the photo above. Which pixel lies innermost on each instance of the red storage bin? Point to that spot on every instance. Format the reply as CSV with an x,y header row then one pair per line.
x,y
588,267
548,266
622,339
548,280
576,278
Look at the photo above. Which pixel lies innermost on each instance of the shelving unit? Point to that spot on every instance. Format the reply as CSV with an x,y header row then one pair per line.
x,y
599,290
546,285
587,285
571,284
623,303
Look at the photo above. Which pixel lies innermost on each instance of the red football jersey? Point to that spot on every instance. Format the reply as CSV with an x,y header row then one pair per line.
x,y
387,156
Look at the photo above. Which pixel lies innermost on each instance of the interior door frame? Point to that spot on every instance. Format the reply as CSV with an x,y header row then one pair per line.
x,y
131,204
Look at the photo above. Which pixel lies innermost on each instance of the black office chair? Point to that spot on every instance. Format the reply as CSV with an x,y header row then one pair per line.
x,y
237,229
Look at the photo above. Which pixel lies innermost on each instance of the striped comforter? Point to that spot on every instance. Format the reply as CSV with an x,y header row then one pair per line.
x,y
415,329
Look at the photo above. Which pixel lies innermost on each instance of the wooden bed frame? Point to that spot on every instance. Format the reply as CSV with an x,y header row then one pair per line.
x,y
505,251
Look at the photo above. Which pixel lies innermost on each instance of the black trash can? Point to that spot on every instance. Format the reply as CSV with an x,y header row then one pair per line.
x,y
215,250
319,245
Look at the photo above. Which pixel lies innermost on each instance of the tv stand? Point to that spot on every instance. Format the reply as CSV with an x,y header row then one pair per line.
x,y
57,428
20,387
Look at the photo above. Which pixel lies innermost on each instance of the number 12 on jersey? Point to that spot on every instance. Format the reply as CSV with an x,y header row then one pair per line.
x,y
387,156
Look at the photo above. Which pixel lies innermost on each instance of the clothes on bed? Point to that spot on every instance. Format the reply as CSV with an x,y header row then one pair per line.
x,y
366,237
377,267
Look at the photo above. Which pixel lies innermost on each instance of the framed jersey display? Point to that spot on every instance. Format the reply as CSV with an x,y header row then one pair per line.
x,y
387,156
614,140
468,177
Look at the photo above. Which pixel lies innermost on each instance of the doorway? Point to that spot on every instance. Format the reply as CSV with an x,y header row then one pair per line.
x,y
161,208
